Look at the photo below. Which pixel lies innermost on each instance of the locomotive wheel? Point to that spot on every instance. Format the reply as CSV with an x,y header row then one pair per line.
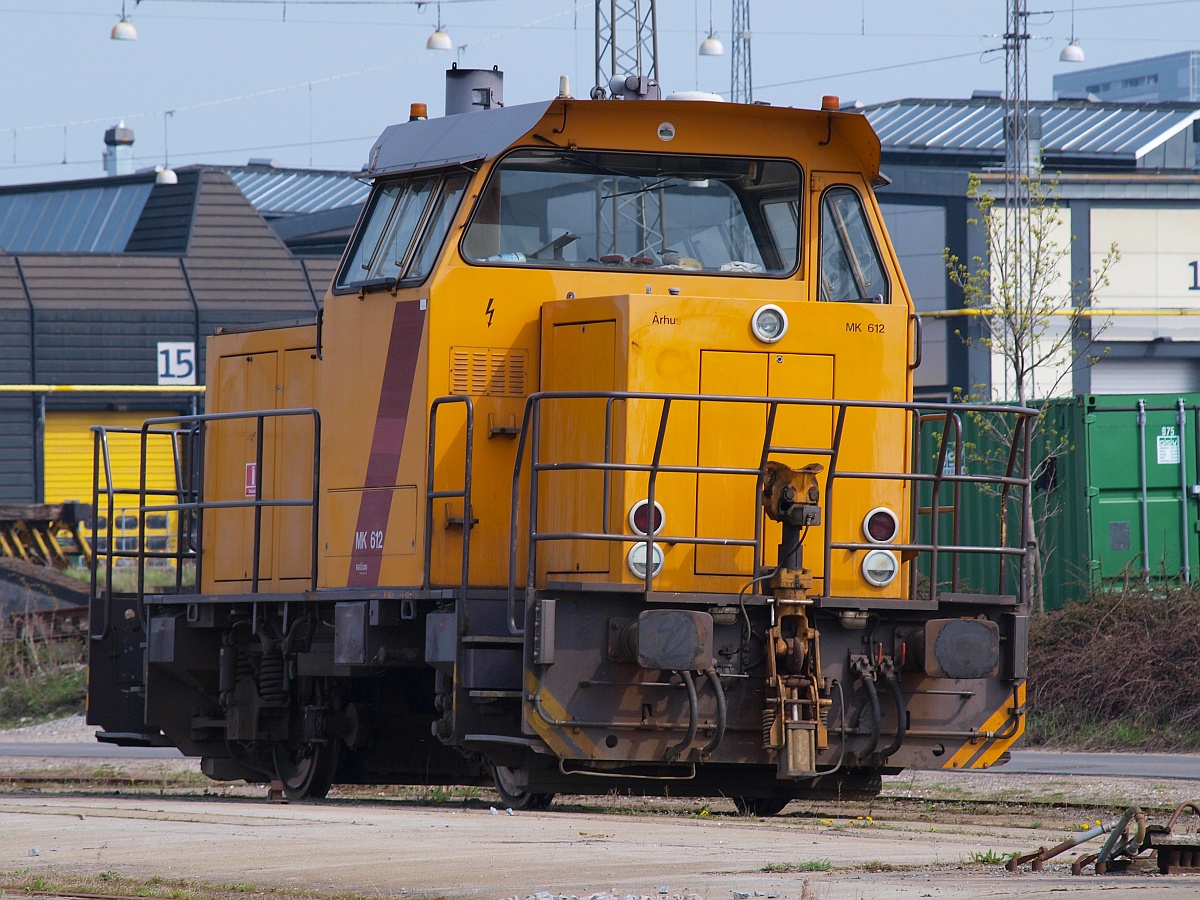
x,y
512,796
762,807
306,770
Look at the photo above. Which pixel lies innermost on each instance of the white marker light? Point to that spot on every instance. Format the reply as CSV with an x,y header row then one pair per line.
x,y
879,567
636,560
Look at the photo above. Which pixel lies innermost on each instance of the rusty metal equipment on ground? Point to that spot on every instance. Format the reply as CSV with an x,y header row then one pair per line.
x,y
1131,839
44,534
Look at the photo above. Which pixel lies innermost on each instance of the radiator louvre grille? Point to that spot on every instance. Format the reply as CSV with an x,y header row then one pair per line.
x,y
487,372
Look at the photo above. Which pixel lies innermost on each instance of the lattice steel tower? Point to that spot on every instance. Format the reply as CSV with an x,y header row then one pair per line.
x,y
626,39
1018,126
629,222
741,81
1020,132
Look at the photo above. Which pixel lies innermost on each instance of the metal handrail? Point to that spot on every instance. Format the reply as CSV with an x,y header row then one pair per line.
x,y
949,421
531,432
189,497
464,494
257,503
102,455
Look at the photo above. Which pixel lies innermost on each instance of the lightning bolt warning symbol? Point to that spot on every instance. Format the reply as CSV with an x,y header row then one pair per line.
x,y
489,312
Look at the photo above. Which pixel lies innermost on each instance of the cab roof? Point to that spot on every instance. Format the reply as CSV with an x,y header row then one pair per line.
x,y
476,137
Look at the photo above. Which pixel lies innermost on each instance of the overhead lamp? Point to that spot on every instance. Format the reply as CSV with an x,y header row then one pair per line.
x,y
711,45
439,40
164,174
1072,53
123,30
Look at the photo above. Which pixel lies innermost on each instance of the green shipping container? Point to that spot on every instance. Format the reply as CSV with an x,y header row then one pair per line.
x,y
1116,492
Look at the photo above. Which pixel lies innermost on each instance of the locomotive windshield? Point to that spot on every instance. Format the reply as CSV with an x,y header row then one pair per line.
x,y
735,216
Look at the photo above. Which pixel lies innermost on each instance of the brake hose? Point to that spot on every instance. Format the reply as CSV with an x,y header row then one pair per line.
x,y
673,753
901,714
876,712
715,680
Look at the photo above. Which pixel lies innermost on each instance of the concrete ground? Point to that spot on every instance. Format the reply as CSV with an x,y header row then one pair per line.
x,y
930,836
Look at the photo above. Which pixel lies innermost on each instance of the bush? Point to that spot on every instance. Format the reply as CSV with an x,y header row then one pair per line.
x,y
1118,671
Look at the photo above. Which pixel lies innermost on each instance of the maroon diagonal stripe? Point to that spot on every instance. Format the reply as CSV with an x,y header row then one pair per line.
x,y
384,463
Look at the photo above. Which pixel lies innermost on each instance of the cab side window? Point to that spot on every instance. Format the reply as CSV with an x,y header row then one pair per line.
x,y
402,233
851,269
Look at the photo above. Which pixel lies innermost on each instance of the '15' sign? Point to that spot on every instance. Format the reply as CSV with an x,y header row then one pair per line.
x,y
176,362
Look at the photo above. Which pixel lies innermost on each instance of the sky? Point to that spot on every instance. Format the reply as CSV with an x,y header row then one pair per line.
x,y
311,83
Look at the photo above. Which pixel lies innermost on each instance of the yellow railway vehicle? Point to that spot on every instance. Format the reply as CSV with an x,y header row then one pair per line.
x,y
600,470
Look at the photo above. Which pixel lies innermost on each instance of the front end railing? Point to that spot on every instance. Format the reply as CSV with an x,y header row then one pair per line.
x,y
1013,478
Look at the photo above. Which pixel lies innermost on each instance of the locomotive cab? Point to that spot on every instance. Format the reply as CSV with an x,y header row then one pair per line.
x,y
600,470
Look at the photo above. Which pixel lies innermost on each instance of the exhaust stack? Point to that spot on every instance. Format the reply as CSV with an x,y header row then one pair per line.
x,y
469,90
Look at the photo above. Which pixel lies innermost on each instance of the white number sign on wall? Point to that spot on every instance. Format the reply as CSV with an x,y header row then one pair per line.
x,y
176,362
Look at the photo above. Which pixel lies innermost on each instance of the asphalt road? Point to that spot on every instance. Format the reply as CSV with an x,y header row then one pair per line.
x,y
1119,765
94,750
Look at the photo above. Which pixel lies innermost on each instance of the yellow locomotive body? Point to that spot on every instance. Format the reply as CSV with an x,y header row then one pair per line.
x,y
606,435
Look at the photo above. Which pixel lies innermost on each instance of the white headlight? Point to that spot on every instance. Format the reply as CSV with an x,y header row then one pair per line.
x,y
636,559
769,323
879,567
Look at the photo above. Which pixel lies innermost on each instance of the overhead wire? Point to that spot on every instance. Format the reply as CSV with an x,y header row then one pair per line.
x,y
537,23
917,62
266,92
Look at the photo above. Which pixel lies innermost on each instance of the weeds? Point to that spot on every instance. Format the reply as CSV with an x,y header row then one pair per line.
x,y
40,679
810,865
878,865
989,858
155,580
113,884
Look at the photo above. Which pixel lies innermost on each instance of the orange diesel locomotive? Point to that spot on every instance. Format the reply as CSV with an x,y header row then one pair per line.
x,y
599,470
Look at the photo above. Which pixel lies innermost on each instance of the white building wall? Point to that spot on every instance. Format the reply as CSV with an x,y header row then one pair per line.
x,y
1159,270
1050,376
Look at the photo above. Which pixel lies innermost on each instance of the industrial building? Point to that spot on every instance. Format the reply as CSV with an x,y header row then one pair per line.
x,y
119,280
1174,78
1126,174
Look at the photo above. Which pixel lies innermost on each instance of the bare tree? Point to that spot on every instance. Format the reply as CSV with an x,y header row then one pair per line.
x,y
1035,322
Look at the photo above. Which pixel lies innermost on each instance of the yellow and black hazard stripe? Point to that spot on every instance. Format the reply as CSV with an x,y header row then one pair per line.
x,y
550,719
997,734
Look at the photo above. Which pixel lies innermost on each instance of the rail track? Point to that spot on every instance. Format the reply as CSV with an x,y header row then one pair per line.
x,y
911,809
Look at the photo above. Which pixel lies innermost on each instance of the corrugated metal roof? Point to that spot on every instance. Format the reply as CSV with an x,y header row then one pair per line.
x,y
289,192
1079,129
89,219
